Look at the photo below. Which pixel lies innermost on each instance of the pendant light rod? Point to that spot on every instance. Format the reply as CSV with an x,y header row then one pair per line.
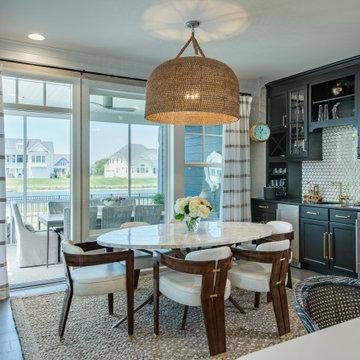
x,y
193,24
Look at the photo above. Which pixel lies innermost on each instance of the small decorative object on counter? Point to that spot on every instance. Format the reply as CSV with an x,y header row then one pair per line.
x,y
337,89
326,112
269,193
112,200
193,209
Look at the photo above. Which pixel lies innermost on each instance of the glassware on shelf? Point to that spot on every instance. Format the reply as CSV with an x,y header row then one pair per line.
x,y
320,113
326,112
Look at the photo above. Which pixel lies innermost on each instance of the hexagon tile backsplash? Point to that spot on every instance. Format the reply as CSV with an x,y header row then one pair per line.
x,y
339,163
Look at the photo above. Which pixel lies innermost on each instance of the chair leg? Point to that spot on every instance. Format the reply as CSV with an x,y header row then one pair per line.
x,y
285,309
186,308
257,300
210,326
275,295
268,297
136,278
156,307
111,303
232,300
65,311
219,308
289,281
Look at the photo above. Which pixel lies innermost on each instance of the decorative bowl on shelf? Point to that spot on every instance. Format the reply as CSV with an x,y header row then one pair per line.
x,y
337,89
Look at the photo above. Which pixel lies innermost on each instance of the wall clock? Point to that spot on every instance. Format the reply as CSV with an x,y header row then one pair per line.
x,y
259,132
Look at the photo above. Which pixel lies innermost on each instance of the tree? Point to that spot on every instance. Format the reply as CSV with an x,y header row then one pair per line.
x,y
99,166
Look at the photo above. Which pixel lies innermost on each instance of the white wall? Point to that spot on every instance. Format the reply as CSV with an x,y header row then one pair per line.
x,y
258,150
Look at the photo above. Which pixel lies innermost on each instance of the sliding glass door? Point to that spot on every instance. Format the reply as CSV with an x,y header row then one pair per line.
x,y
38,116
126,162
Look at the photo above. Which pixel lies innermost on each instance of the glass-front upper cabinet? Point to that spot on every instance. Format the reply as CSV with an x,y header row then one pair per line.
x,y
297,123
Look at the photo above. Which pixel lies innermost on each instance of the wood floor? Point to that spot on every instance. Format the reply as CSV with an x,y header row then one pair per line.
x,y
10,348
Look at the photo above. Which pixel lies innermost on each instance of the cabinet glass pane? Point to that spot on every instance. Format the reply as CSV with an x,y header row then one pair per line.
x,y
297,139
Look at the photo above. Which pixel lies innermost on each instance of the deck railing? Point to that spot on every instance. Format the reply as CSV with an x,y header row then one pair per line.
x,y
38,205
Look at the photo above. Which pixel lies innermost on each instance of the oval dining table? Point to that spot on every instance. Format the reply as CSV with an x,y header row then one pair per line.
x,y
176,236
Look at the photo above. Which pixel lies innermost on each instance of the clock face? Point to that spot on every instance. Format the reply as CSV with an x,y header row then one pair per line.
x,y
261,132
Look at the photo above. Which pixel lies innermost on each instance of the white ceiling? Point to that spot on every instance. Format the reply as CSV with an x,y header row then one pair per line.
x,y
265,39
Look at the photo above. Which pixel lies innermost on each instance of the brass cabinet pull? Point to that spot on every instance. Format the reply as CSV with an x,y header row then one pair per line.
x,y
312,213
324,245
283,119
263,206
303,146
342,216
329,243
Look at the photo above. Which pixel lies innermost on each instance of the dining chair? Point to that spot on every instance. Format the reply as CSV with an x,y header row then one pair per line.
x,y
198,280
283,230
323,301
143,259
97,274
148,213
93,216
264,270
115,216
31,244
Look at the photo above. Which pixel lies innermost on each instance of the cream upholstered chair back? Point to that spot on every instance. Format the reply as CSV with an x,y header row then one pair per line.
x,y
281,227
274,246
133,224
216,254
68,247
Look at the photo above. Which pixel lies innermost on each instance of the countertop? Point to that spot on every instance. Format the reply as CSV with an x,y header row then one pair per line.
x,y
333,343
324,204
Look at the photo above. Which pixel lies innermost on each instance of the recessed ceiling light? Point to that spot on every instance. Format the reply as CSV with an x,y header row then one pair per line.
x,y
38,37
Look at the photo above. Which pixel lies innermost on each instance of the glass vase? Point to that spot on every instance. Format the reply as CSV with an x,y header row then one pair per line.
x,y
193,224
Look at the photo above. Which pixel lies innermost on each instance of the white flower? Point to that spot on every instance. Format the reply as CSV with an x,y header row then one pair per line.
x,y
198,206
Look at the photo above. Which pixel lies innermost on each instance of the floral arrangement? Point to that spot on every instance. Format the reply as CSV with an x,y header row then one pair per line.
x,y
112,200
195,208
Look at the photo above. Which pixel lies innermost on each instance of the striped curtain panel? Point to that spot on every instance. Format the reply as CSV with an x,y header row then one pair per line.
x,y
235,200
4,285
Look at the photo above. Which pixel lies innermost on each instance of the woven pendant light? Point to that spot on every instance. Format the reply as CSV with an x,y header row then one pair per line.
x,y
192,90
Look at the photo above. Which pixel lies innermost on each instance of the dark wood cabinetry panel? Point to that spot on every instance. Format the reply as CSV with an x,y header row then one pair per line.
x,y
342,249
263,211
314,243
277,109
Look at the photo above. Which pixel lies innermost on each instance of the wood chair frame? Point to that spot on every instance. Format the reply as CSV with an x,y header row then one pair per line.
x,y
98,259
212,294
280,263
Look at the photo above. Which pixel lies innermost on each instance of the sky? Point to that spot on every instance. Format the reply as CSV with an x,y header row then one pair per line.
x,y
105,138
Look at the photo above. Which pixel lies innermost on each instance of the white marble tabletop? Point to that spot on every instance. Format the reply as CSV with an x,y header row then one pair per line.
x,y
175,236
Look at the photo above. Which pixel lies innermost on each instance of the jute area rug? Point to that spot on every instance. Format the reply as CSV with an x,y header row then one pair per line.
x,y
88,333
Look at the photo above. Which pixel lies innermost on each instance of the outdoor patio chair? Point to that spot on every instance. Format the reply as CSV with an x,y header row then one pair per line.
x,y
57,207
148,213
323,301
115,216
31,244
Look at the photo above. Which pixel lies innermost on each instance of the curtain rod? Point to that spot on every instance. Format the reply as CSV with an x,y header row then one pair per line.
x,y
85,71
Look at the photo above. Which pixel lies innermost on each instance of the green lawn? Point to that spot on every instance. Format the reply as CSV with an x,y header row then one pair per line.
x,y
96,182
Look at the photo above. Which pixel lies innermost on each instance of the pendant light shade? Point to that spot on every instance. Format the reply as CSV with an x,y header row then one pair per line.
x,y
192,90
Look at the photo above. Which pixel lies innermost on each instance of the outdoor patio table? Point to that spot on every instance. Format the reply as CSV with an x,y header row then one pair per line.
x,y
50,220
176,236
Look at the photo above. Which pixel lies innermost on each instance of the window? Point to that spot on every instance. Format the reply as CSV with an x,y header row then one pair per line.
x,y
38,158
203,164
120,138
19,159
19,146
33,158
43,159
